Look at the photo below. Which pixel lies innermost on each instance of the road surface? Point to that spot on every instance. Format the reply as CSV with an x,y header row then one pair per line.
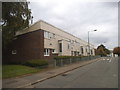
x,y
100,74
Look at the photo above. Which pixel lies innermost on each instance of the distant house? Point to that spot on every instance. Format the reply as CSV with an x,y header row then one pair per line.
x,y
43,41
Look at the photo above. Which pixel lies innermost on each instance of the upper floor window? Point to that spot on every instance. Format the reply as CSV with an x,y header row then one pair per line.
x,y
68,46
48,35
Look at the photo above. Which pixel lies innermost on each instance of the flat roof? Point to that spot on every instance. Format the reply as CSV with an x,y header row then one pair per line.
x,y
27,31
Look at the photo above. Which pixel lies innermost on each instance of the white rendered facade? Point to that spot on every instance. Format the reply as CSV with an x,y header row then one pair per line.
x,y
59,41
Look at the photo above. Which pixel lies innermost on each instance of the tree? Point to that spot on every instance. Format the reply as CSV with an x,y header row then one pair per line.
x,y
15,17
107,51
116,50
102,50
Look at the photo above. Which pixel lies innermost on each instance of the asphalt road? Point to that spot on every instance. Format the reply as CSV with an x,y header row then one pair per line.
x,y
100,74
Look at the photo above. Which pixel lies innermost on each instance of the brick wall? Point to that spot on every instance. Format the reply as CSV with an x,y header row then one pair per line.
x,y
28,46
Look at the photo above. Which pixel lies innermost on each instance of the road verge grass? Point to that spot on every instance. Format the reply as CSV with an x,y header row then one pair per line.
x,y
15,69
9,71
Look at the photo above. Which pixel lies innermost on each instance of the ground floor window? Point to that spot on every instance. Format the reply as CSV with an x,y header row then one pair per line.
x,y
53,50
91,52
14,51
46,52
77,54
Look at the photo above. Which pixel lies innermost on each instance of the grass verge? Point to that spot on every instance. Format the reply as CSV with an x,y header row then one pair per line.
x,y
9,71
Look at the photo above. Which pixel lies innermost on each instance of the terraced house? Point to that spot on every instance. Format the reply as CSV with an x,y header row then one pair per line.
x,y
43,41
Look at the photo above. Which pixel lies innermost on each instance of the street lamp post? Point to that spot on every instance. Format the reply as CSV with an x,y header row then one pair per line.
x,y
89,43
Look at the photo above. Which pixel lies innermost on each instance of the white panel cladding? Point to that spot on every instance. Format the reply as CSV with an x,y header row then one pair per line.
x,y
66,51
67,39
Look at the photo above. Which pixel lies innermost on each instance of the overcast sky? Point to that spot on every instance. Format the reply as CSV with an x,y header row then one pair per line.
x,y
78,18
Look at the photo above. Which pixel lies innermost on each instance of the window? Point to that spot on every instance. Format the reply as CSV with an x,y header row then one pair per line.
x,y
46,52
68,46
51,35
91,52
60,47
78,53
53,50
14,52
46,34
81,50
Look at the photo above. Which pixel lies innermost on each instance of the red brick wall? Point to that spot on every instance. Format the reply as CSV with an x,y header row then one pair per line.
x,y
28,46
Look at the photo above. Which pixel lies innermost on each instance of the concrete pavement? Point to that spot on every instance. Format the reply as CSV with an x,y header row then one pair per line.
x,y
27,81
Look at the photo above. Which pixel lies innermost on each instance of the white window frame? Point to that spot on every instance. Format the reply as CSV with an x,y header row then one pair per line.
x,y
46,35
14,52
53,51
46,52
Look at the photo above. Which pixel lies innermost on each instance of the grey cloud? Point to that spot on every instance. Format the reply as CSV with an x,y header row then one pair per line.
x,y
78,18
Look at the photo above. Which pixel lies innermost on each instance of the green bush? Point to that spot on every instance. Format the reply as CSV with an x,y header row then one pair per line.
x,y
66,57
36,63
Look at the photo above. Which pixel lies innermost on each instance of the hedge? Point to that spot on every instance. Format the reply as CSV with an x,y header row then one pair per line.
x,y
66,57
35,63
